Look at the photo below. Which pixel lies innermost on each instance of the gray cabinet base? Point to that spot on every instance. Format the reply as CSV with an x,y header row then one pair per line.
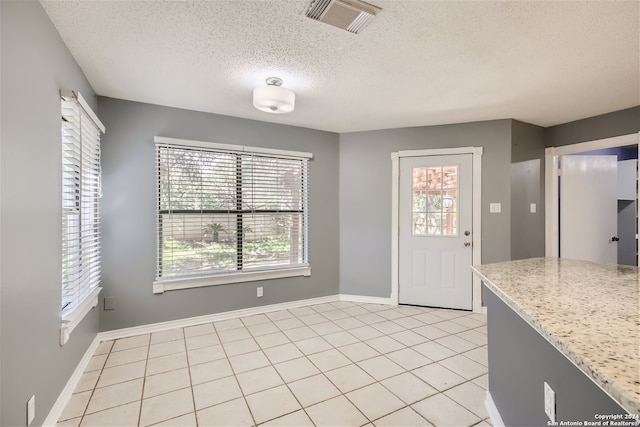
x,y
521,360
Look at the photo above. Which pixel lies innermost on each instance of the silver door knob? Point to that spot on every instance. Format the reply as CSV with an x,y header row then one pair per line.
x,y
467,243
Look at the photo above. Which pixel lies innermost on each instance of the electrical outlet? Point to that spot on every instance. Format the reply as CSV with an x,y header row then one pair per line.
x,y
550,402
109,303
31,409
259,292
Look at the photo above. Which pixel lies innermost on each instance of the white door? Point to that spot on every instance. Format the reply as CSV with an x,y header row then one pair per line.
x,y
435,231
589,208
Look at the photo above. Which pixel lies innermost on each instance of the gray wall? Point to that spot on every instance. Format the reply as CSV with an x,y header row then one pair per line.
x,y
617,123
35,66
129,212
527,186
521,360
627,252
365,196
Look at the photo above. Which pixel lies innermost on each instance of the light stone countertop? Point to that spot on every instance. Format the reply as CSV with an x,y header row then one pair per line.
x,y
590,312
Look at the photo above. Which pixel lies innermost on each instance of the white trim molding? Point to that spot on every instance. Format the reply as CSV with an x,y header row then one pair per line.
x,y
477,226
366,299
66,93
161,286
209,318
395,228
552,172
477,215
230,147
494,414
70,322
61,402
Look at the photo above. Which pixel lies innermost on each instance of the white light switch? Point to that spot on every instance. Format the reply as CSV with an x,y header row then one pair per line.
x,y
532,208
495,207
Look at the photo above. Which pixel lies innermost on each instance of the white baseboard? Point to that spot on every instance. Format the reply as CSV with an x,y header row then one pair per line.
x,y
209,318
67,391
365,299
494,414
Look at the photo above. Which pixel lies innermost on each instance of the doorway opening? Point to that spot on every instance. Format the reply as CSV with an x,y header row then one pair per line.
x,y
613,240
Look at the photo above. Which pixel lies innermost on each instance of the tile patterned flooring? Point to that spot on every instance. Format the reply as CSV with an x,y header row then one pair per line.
x,y
333,364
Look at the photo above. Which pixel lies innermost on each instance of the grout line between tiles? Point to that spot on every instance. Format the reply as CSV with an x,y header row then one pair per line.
x,y
84,412
234,373
144,379
338,306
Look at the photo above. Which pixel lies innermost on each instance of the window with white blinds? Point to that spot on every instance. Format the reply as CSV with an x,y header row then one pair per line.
x,y
81,190
229,209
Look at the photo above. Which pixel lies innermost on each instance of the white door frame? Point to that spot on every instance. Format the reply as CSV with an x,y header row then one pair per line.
x,y
476,212
551,155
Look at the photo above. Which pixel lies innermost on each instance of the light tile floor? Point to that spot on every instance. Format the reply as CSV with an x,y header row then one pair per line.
x,y
334,364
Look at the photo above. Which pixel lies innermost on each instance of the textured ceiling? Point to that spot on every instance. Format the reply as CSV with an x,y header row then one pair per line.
x,y
418,63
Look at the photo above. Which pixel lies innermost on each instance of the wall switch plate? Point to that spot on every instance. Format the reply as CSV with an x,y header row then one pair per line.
x,y
532,208
259,292
550,402
109,303
31,409
495,207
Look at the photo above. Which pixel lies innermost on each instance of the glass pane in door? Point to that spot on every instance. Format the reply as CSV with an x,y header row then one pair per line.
x,y
435,195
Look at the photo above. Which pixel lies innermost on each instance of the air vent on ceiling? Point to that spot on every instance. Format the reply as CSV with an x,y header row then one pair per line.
x,y
350,15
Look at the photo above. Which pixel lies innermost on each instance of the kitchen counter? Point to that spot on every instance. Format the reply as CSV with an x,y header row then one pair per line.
x,y
589,312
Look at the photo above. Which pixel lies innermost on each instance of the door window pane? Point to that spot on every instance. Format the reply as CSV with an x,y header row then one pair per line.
x,y
435,224
419,224
419,201
435,192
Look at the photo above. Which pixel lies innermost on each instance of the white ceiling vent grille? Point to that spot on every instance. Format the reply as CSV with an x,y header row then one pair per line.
x,y
350,15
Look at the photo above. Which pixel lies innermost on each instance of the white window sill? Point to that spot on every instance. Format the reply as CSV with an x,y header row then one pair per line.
x,y
161,286
70,322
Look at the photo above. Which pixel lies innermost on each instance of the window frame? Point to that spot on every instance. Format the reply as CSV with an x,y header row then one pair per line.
x,y
162,284
442,191
79,170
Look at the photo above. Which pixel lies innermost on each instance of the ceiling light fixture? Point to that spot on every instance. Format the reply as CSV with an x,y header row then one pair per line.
x,y
273,98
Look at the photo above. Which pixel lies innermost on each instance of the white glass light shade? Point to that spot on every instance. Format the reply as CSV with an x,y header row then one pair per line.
x,y
274,99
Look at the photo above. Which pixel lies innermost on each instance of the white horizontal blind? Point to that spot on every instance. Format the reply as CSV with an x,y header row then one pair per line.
x,y
225,211
81,175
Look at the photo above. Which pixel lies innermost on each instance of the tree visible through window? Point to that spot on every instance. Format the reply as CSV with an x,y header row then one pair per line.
x,y
225,211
